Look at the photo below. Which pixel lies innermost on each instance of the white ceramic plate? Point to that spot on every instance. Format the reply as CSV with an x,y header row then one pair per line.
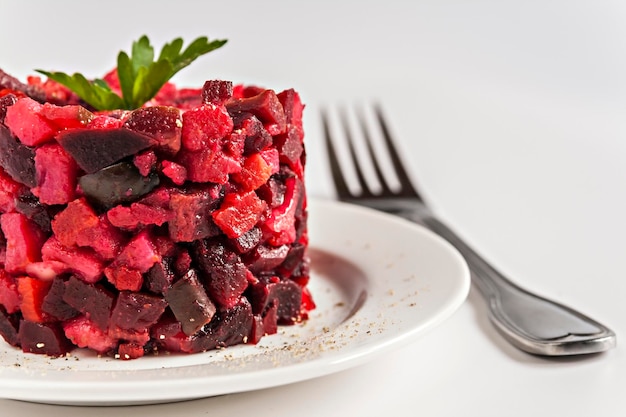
x,y
378,282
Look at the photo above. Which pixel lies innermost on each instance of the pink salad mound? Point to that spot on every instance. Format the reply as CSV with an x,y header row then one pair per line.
x,y
179,226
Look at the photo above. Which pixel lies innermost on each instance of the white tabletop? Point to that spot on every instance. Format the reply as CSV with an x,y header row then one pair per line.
x,y
512,117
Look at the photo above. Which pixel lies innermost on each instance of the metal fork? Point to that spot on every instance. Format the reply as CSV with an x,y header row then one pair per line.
x,y
530,322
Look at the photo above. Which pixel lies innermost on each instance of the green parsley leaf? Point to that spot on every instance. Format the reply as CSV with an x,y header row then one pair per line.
x,y
140,76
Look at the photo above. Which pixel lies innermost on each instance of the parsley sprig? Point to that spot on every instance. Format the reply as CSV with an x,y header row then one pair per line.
x,y
140,76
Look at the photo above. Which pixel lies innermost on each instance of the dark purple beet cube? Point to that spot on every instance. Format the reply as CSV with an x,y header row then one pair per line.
x,y
224,273
9,327
31,207
54,305
266,258
17,159
286,293
248,240
228,327
43,338
94,301
266,106
159,277
216,91
137,311
190,303
94,149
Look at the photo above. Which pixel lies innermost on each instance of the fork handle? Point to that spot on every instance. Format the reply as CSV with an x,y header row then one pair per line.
x,y
529,321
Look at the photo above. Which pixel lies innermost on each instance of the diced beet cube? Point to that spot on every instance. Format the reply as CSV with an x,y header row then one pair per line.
x,y
105,121
53,304
84,333
66,117
270,318
176,172
190,215
281,222
94,149
78,224
116,184
82,261
266,106
273,192
257,332
56,175
190,303
228,327
168,334
24,240
208,165
25,121
161,123
92,300
292,105
160,277
12,83
32,292
238,213
43,338
290,148
248,240
145,162
204,126
10,190
295,257
17,159
6,101
216,91
140,253
31,207
255,171
9,295
287,294
266,258
128,351
257,137
124,278
137,311
224,273
9,327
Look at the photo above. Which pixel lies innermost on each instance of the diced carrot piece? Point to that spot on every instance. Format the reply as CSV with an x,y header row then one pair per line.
x,y
32,292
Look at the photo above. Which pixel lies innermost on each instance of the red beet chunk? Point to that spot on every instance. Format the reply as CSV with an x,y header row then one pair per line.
x,y
248,240
25,120
17,159
265,105
82,261
6,101
137,311
290,147
238,213
136,258
10,190
216,91
281,222
228,327
292,105
12,83
168,334
190,214
255,172
53,304
24,240
128,351
204,126
9,327
190,303
93,301
9,295
224,273
145,162
56,175
43,338
78,224
94,149
161,123
287,294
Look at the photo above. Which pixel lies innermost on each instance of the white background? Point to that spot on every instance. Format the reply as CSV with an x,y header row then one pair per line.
x,y
511,116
